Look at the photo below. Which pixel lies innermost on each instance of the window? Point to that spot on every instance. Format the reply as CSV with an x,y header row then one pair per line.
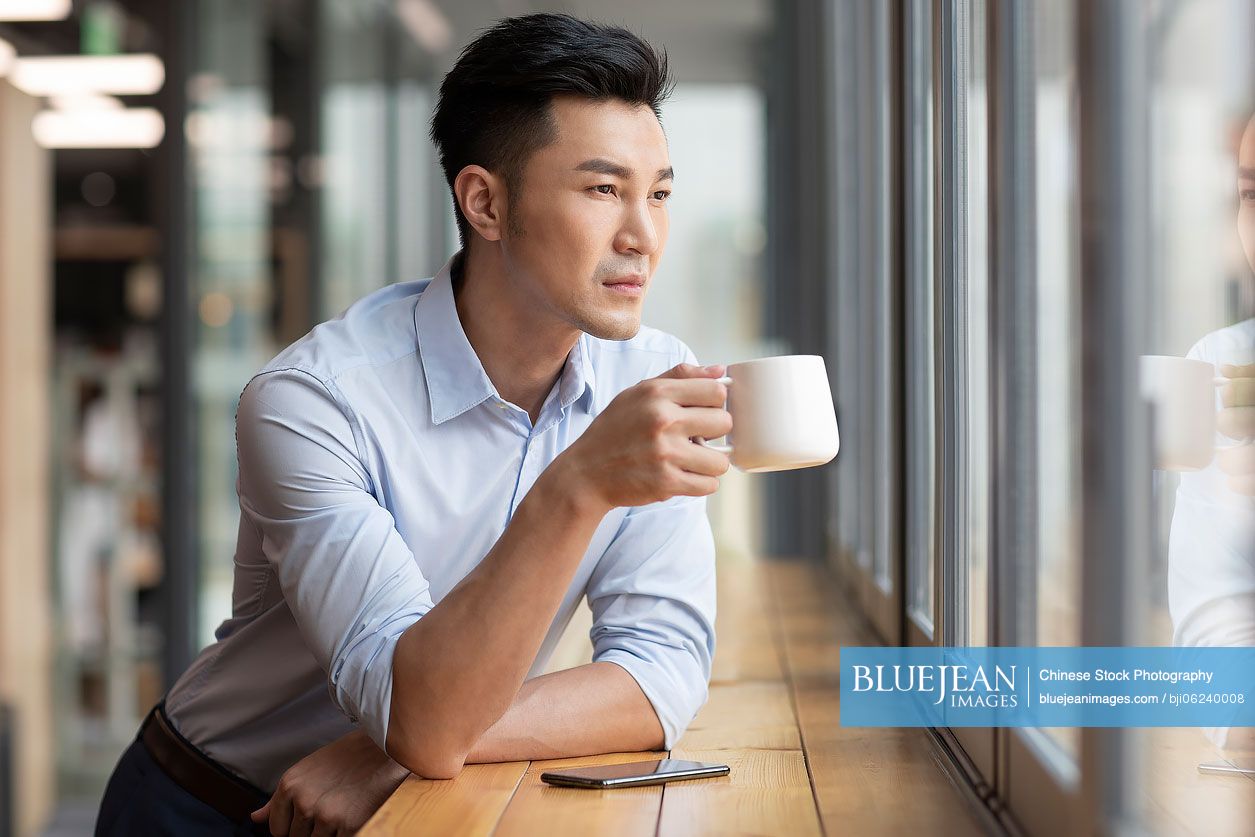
x,y
1068,195
867,304
920,361
962,309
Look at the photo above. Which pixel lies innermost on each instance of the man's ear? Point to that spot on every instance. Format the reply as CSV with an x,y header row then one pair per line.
x,y
481,195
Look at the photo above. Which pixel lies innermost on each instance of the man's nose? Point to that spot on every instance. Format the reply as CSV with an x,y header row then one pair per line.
x,y
639,233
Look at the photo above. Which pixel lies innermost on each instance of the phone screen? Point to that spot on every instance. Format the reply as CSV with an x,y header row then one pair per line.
x,y
633,773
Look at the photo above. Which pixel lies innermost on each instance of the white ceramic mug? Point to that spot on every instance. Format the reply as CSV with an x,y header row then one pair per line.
x,y
782,414
1183,394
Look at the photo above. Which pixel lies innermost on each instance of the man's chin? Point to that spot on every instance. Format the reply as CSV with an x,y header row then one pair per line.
x,y
613,330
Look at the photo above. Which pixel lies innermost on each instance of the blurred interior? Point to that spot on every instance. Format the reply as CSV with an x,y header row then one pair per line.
x,y
896,186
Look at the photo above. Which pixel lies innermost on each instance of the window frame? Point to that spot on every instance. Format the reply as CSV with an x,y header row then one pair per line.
x,y
1038,786
868,325
951,31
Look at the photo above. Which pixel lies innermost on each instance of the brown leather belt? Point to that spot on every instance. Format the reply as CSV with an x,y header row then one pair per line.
x,y
197,773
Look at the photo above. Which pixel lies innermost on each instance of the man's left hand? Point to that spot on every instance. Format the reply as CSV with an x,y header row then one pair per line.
x,y
332,791
1237,421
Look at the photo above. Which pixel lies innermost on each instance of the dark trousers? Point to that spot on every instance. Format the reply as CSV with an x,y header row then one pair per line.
x,y
142,800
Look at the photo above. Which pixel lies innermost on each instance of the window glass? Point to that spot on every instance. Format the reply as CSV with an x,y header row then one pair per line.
x,y
1057,350
233,294
974,345
709,286
354,164
1200,574
883,333
921,358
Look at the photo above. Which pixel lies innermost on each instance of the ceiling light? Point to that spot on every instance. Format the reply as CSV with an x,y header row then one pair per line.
x,y
85,101
99,128
34,9
135,75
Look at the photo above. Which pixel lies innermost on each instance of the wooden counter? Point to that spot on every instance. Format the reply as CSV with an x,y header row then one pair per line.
x,y
771,716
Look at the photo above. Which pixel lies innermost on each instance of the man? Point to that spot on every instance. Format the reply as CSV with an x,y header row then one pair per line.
x,y
430,483
1211,548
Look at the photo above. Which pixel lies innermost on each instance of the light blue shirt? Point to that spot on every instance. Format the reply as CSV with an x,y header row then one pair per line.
x,y
377,467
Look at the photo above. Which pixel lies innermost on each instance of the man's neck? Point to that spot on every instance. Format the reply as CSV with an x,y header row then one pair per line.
x,y
522,351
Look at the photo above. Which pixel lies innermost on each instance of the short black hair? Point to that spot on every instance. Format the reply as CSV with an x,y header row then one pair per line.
x,y
494,106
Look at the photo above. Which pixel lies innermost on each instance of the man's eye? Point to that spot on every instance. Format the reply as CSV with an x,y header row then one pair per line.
x,y
605,189
1247,194
661,195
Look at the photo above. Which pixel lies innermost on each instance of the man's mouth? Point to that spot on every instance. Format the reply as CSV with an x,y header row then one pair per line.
x,y
633,285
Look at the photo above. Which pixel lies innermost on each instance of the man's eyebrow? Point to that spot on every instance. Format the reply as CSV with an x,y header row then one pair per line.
x,y
597,164
1245,173
603,166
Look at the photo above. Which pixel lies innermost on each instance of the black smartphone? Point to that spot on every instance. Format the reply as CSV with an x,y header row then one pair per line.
x,y
632,774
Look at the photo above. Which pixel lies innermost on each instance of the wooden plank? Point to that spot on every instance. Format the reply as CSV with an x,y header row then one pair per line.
x,y
861,777
471,804
1176,793
538,808
746,647
881,781
767,792
741,716
740,659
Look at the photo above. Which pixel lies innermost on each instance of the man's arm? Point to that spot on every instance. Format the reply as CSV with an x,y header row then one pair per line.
x,y
457,670
594,708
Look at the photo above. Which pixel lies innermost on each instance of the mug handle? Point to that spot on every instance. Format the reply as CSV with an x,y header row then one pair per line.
x,y
726,381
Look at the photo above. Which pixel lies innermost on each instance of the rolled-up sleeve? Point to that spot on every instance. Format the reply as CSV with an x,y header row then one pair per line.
x,y
348,577
652,595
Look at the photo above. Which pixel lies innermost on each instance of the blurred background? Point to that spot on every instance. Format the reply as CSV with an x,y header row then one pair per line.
x,y
979,212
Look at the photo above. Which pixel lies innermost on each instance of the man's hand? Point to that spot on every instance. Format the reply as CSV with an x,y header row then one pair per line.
x,y
332,791
640,450
1237,421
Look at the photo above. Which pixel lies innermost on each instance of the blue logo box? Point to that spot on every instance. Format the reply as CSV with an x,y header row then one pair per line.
x,y
1047,687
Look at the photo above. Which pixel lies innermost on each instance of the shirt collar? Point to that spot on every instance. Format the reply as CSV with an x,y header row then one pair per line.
x,y
456,380
577,374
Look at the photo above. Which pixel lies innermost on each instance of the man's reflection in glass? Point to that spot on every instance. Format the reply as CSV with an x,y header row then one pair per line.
x,y
1211,550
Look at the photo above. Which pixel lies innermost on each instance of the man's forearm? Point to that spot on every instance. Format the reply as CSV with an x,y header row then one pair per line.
x,y
458,669
594,708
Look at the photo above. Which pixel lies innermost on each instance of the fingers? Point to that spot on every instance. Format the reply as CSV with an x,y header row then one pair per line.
x,y
688,484
1237,461
695,392
302,826
261,814
1238,464
1232,370
695,458
707,422
1237,422
688,370
1238,392
280,806
324,829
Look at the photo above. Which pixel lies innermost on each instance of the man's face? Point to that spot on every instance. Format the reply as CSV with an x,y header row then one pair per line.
x,y
1246,193
588,219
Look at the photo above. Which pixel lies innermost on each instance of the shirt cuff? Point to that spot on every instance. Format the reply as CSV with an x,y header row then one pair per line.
x,y
675,702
